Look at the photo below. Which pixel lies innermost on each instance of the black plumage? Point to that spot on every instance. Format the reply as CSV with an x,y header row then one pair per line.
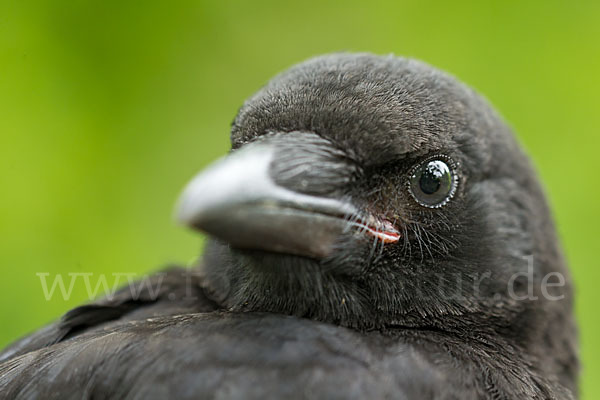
x,y
367,229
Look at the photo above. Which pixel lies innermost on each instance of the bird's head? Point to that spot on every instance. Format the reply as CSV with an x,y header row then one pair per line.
x,y
378,192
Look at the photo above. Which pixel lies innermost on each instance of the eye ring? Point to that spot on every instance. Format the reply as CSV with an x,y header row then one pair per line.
x,y
433,182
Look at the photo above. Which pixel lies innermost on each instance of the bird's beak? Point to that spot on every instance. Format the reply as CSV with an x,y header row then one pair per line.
x,y
237,200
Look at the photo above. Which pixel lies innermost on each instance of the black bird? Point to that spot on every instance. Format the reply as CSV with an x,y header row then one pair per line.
x,y
377,232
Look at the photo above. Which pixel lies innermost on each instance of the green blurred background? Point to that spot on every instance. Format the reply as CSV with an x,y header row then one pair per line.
x,y
108,107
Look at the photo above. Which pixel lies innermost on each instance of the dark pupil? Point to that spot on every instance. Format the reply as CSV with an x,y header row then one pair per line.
x,y
430,180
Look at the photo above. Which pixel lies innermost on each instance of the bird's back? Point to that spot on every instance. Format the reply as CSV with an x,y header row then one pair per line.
x,y
159,349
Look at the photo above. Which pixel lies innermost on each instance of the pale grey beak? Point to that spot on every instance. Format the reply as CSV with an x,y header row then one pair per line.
x,y
236,200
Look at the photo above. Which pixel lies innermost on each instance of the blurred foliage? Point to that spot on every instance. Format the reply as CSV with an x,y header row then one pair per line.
x,y
108,107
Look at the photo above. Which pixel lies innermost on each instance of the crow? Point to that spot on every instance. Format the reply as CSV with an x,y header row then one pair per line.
x,y
376,232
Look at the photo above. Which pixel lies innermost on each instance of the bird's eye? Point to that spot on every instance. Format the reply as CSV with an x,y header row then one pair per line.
x,y
432,183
